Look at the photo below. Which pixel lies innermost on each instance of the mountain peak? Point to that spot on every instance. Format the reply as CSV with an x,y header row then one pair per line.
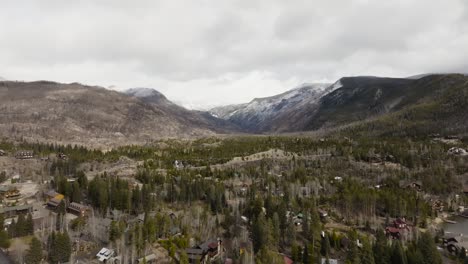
x,y
142,92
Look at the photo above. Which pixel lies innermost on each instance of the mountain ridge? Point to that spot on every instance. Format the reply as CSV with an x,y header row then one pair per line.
x,y
92,115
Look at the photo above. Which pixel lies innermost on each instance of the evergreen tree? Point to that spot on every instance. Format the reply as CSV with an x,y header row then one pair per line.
x,y
306,256
325,248
29,225
4,240
34,253
20,227
76,193
184,258
462,254
59,248
428,249
381,249
260,232
398,255
52,248
367,257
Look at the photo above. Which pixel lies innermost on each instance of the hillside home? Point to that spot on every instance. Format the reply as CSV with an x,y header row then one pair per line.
x,y
24,154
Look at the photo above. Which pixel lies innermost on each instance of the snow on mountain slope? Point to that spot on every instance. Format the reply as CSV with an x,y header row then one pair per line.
x,y
257,114
142,92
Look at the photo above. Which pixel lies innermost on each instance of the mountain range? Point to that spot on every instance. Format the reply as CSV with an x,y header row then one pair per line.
x,y
94,116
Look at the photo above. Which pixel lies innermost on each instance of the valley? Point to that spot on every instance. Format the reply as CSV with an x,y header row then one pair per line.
x,y
365,168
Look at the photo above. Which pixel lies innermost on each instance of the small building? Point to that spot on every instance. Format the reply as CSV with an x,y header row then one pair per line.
x,y
449,239
24,154
53,194
393,232
78,209
12,211
54,203
62,156
5,188
2,152
323,213
13,193
195,255
105,254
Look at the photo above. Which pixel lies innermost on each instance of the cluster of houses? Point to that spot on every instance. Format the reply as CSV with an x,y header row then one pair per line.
x,y
22,154
54,200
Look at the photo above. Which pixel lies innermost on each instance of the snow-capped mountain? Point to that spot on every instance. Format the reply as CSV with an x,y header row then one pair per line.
x,y
258,115
148,95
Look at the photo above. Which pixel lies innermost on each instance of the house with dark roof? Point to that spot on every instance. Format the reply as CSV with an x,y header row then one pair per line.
x,y
206,252
54,203
394,232
12,211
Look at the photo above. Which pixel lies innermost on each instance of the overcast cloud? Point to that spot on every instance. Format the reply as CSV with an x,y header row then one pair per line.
x,y
204,53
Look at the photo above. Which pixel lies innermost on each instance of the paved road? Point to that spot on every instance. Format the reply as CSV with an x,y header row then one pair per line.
x,y
4,259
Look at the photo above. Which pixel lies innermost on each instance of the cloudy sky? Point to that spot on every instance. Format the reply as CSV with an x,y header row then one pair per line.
x,y
210,52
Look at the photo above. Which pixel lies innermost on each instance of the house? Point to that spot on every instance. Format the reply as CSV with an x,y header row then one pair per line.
x,y
9,192
400,223
62,156
453,248
24,154
2,152
5,188
12,194
78,209
456,151
415,185
105,254
195,255
54,203
394,232
12,211
205,252
53,194
323,213
448,240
